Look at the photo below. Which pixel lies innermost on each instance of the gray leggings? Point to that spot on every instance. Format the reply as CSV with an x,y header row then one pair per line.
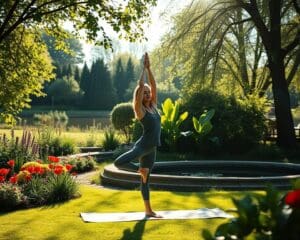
x,y
146,157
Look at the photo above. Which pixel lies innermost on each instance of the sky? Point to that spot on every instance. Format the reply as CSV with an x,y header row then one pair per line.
x,y
160,24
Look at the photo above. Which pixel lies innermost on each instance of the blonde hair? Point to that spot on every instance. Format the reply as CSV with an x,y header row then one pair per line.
x,y
135,92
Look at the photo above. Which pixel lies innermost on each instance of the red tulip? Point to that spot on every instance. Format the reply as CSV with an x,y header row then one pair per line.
x,y
53,159
11,163
4,171
58,170
293,198
69,167
13,179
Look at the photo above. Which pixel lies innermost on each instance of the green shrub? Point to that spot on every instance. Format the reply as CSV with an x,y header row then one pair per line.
x,y
82,164
11,196
36,190
121,118
61,187
61,146
110,141
238,124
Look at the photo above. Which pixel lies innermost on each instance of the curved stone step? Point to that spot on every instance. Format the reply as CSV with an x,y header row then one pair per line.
x,y
115,177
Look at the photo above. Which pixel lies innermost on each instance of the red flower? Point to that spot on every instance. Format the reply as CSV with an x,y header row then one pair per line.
x,y
31,169
39,161
58,170
53,159
4,171
51,166
11,163
69,167
2,179
13,179
293,198
37,169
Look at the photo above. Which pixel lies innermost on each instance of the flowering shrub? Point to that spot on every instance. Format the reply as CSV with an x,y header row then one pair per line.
x,y
38,182
269,217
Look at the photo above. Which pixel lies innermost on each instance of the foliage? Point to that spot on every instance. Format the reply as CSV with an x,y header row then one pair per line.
x,y
263,217
203,126
110,141
40,183
121,117
61,187
240,39
21,150
52,143
100,93
171,121
81,164
238,124
61,146
74,55
65,91
24,67
11,196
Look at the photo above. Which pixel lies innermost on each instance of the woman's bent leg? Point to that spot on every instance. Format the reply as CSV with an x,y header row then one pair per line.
x,y
124,161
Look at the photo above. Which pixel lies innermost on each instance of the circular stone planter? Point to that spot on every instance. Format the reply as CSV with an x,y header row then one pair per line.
x,y
203,175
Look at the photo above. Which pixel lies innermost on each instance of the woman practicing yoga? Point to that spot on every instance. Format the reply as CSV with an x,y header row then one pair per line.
x,y
144,105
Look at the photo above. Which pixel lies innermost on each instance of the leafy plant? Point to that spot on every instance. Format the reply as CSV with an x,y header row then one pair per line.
x,y
171,121
110,141
11,196
61,187
269,217
203,126
21,150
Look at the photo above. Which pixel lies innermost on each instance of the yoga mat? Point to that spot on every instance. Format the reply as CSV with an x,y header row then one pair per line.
x,y
173,214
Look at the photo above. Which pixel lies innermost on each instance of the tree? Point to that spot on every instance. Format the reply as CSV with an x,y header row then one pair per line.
x,y
77,74
19,18
101,94
61,57
84,83
124,18
129,77
276,24
119,81
24,66
65,91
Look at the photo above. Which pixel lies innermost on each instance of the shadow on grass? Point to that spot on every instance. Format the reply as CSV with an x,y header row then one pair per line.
x,y
136,233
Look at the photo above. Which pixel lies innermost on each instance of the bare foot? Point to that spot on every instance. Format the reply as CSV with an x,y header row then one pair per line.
x,y
144,174
153,215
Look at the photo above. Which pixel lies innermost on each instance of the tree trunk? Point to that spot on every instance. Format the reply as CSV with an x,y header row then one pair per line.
x,y
284,120
285,125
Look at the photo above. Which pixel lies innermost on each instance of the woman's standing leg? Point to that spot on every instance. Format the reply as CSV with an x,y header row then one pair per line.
x,y
147,161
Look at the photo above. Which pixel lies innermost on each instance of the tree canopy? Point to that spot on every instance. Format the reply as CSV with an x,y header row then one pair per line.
x,y
25,64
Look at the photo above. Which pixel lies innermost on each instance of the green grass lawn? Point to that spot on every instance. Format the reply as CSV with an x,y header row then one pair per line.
x,y
62,221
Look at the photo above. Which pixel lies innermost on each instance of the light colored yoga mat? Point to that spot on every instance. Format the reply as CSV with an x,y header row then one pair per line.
x,y
136,216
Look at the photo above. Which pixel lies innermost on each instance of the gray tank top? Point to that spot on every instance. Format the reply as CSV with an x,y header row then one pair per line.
x,y
151,130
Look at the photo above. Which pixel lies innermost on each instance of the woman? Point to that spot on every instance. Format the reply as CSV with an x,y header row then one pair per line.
x,y
144,105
